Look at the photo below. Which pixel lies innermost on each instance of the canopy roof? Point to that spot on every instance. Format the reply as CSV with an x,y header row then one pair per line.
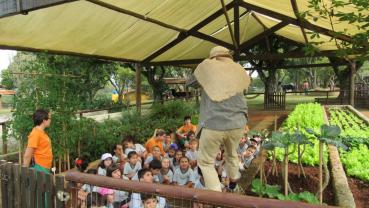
x,y
153,31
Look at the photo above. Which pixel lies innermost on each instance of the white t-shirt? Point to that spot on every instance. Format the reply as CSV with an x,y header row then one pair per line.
x,y
151,158
101,171
192,155
182,178
137,148
136,201
169,174
128,169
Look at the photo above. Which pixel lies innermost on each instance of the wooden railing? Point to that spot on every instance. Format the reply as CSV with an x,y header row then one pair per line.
x,y
23,187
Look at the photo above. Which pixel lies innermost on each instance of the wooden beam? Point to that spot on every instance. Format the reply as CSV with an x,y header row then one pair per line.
x,y
211,39
258,20
21,8
297,14
262,35
290,20
138,88
249,57
18,48
236,24
298,66
184,35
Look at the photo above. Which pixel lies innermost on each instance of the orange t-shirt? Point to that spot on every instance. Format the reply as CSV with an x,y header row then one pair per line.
x,y
186,128
152,142
41,142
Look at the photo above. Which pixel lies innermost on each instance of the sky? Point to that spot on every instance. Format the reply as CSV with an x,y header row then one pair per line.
x,y
5,58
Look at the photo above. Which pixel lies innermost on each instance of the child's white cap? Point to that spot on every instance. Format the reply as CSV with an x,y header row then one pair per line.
x,y
106,156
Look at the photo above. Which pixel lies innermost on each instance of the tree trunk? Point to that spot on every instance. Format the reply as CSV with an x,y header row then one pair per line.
x,y
352,83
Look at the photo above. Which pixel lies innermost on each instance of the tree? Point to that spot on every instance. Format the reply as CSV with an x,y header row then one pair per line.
x,y
122,79
7,80
355,46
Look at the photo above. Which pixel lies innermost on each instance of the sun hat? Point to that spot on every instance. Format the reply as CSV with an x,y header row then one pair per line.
x,y
106,156
221,78
219,51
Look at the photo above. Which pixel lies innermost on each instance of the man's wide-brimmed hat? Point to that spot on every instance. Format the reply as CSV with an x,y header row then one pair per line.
x,y
219,51
221,78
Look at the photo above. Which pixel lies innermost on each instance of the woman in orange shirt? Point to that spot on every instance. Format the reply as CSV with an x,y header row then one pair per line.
x,y
39,143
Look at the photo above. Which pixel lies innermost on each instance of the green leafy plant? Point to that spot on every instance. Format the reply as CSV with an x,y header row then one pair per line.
x,y
356,162
327,135
273,191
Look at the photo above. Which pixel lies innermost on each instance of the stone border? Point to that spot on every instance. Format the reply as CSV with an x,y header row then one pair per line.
x,y
342,191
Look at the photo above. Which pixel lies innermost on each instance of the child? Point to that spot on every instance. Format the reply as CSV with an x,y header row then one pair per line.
x,y
167,141
183,175
115,198
242,146
254,142
95,200
156,154
175,161
149,201
166,174
172,151
247,157
128,144
155,167
219,159
81,164
86,189
106,161
119,156
144,175
191,154
132,166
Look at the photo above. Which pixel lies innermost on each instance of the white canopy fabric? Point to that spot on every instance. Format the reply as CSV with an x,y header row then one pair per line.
x,y
132,30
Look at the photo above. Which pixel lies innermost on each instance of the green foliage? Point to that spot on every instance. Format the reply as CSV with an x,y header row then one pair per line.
x,y
356,162
273,191
342,12
7,79
329,135
309,115
354,130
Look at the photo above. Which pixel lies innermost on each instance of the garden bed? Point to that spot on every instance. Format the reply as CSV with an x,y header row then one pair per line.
x,y
360,189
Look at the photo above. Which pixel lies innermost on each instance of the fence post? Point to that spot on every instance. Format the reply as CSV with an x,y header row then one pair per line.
x,y
9,172
49,183
59,187
40,189
17,184
72,186
32,187
4,138
4,184
24,187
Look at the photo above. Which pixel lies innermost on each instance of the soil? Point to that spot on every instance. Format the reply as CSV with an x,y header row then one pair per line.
x,y
298,184
360,190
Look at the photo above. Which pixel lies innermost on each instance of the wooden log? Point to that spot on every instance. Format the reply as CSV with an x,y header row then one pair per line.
x,y
32,188
4,184
17,185
59,182
40,189
49,187
24,187
9,172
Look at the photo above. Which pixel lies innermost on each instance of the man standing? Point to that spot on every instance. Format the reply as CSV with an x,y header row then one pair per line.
x,y
39,143
223,113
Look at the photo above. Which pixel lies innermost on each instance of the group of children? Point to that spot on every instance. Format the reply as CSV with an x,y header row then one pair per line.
x,y
162,160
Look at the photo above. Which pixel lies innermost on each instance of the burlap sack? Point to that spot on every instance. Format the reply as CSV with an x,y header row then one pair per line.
x,y
221,78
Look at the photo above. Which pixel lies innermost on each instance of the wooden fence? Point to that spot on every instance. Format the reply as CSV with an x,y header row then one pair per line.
x,y
23,187
275,101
